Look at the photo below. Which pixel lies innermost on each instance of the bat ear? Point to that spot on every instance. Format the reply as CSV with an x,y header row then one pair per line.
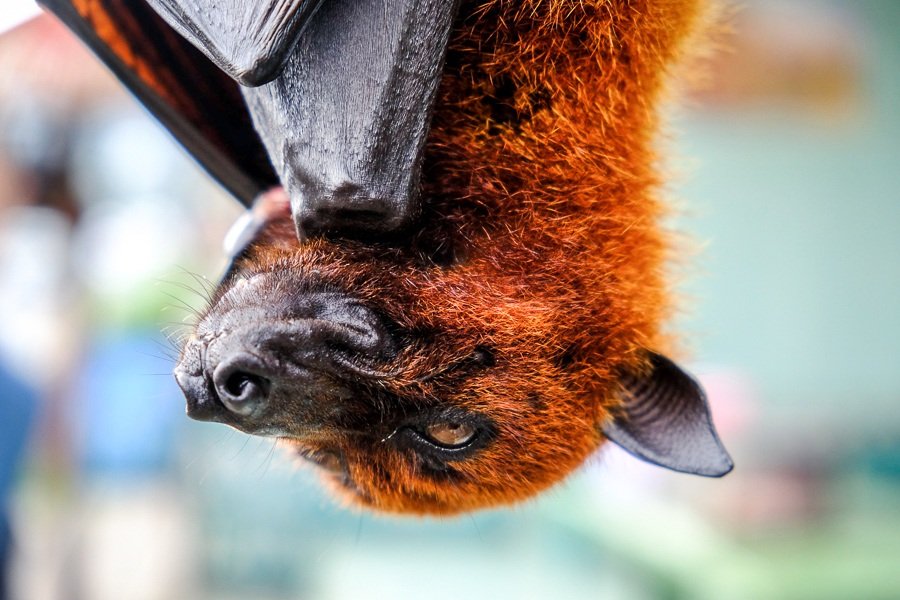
x,y
248,40
665,420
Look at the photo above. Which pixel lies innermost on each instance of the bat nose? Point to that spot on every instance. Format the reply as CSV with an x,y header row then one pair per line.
x,y
238,391
349,209
241,384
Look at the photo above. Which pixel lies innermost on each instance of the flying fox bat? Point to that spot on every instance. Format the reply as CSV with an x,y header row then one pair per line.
x,y
449,290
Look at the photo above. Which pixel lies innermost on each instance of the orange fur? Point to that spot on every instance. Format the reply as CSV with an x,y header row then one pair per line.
x,y
539,239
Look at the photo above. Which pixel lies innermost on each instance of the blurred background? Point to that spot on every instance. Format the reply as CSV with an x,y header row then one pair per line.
x,y
789,178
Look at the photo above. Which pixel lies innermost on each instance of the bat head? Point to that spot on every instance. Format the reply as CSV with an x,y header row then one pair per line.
x,y
434,387
415,386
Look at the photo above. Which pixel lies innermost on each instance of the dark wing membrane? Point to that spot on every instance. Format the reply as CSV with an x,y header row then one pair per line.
x,y
248,40
198,103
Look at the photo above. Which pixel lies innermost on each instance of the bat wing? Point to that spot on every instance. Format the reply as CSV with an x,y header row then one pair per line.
x,y
200,105
247,40
667,422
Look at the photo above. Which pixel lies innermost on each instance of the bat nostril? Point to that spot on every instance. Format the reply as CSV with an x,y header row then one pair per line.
x,y
241,385
240,389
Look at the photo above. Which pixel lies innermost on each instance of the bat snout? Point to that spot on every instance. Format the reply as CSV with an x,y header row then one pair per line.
x,y
284,375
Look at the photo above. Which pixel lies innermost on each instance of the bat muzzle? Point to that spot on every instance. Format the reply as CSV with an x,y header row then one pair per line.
x,y
282,372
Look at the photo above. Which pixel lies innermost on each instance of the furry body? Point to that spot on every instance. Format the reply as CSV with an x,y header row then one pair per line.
x,y
539,247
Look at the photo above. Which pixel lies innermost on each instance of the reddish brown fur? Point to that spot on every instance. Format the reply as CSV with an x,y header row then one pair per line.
x,y
539,194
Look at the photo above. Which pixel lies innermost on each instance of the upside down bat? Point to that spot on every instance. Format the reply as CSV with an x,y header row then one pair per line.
x,y
451,289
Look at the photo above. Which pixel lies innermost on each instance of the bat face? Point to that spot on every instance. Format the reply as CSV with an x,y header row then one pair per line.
x,y
416,387
475,304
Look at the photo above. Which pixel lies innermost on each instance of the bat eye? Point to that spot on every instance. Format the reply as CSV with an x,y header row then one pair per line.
x,y
450,434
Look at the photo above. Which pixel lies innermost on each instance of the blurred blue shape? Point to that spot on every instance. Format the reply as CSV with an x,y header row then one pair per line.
x,y
18,403
128,406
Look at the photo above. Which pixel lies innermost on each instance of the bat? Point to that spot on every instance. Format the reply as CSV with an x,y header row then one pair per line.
x,y
448,291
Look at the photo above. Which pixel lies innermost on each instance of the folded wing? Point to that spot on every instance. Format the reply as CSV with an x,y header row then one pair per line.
x,y
248,40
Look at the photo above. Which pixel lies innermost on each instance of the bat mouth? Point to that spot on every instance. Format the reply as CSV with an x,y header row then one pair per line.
x,y
331,463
